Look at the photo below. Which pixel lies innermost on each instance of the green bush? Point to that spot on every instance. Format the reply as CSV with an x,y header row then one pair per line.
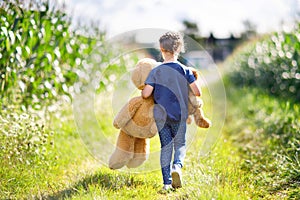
x,y
32,57
269,140
272,64
42,58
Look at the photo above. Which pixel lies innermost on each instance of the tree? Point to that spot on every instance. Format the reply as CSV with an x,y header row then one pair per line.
x,y
250,29
191,29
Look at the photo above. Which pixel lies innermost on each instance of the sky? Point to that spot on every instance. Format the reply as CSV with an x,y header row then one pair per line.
x,y
222,17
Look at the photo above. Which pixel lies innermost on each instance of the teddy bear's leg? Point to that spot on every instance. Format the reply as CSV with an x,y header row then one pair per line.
x,y
200,120
141,152
189,120
123,152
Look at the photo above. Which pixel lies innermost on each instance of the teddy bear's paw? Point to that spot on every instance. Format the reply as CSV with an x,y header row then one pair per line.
x,y
117,165
137,160
135,163
189,120
204,123
119,159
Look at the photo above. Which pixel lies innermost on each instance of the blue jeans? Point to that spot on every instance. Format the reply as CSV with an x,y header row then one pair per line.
x,y
172,135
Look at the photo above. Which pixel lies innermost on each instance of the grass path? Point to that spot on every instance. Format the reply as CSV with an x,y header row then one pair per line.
x,y
213,174
218,164
223,172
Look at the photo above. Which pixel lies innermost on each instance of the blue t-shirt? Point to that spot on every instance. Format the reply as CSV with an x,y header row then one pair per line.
x,y
171,84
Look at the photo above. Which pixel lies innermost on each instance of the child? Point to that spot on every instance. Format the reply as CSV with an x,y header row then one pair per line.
x,y
168,83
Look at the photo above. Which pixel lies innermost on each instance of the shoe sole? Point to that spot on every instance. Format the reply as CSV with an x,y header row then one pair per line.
x,y
176,180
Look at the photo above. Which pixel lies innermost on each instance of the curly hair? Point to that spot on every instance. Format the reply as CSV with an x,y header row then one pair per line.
x,y
171,42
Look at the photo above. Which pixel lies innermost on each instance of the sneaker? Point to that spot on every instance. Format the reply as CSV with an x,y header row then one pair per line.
x,y
166,189
176,176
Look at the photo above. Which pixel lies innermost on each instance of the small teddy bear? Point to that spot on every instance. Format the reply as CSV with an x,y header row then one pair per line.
x,y
195,107
136,123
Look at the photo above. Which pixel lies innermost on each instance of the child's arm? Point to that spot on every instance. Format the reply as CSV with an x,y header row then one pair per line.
x,y
147,91
195,88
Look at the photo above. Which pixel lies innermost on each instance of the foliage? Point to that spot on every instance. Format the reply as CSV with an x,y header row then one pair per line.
x,y
271,63
42,58
42,61
267,132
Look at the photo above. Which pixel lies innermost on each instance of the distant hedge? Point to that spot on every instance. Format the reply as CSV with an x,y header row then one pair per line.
x,y
271,63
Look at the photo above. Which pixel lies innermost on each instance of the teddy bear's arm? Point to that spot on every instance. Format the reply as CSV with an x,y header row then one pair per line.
x,y
127,112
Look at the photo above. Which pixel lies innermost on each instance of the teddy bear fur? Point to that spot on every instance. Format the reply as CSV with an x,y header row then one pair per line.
x,y
136,123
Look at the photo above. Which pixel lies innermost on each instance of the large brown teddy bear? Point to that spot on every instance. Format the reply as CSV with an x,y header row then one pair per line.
x,y
136,123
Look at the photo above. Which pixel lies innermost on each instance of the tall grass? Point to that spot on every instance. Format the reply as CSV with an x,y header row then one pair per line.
x,y
266,130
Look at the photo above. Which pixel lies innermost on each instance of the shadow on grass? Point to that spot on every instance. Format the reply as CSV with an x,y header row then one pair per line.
x,y
110,181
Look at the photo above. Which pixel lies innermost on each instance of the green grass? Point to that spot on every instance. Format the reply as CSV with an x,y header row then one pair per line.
x,y
245,161
266,131
205,178
206,175
66,161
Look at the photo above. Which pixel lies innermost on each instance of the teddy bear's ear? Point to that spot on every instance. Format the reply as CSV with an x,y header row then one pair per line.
x,y
195,73
141,72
